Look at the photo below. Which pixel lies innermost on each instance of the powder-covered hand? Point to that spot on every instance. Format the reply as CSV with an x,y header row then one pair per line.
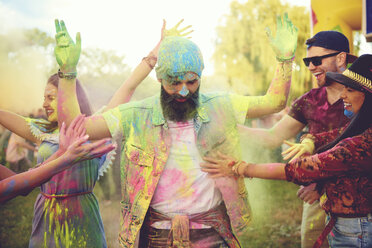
x,y
306,147
284,43
73,142
219,166
66,51
175,31
69,135
308,193
81,150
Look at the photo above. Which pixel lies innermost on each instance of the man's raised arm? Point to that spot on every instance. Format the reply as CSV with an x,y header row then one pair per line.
x,y
284,45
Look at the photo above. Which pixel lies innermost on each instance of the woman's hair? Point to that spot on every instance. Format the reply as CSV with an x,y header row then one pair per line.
x,y
80,93
82,100
359,123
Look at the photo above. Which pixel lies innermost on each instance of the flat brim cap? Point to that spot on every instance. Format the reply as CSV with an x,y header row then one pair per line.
x,y
342,79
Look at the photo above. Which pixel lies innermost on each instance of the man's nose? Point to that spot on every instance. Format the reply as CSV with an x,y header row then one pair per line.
x,y
184,91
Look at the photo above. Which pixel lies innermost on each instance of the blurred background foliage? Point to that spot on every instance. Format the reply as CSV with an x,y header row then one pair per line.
x,y
243,53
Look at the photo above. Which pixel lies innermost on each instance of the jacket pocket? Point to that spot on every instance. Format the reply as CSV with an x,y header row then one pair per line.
x,y
138,156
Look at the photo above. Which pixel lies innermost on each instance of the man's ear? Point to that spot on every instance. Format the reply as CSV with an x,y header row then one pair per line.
x,y
341,60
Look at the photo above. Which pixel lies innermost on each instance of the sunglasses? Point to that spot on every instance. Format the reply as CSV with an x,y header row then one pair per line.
x,y
317,60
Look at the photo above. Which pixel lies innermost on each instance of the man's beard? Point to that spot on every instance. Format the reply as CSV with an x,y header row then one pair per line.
x,y
179,111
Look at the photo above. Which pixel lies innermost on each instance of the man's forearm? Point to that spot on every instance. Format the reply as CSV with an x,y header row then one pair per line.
x,y
260,136
278,92
276,96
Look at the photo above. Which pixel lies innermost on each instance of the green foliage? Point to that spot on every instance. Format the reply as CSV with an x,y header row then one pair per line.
x,y
16,220
38,38
243,52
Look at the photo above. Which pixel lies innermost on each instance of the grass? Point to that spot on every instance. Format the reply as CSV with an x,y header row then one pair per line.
x,y
276,214
16,221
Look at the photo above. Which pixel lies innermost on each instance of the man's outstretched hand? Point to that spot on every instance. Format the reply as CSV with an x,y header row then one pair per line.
x,y
284,43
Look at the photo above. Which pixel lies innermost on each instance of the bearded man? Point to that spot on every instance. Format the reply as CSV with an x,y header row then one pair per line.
x,y
167,201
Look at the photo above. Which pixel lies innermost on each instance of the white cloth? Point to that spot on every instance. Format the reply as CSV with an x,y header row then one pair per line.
x,y
183,188
15,152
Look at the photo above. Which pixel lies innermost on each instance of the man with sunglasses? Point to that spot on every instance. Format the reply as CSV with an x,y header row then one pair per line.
x,y
320,109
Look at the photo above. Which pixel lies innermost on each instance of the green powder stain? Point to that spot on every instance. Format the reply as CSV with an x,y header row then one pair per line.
x,y
63,233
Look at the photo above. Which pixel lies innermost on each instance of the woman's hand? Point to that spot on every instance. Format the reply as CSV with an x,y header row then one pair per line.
x,y
296,150
221,166
175,31
73,142
75,131
284,43
66,51
79,150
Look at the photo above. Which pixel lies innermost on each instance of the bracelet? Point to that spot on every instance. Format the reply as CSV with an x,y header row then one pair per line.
x,y
235,168
285,59
67,75
150,58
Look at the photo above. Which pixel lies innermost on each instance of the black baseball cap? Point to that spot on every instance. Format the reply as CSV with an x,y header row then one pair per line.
x,y
332,40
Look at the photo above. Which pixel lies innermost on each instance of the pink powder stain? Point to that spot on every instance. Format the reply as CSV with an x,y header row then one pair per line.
x,y
181,133
165,186
137,180
207,242
72,184
228,187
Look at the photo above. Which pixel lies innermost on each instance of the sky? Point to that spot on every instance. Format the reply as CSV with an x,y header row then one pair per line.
x,y
129,27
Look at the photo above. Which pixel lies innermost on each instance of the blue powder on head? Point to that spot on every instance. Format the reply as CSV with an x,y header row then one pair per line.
x,y
178,55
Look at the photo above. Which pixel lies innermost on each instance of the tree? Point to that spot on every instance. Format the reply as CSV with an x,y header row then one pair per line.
x,y
27,60
243,53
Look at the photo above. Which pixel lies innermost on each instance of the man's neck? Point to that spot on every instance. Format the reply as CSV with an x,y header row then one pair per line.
x,y
333,92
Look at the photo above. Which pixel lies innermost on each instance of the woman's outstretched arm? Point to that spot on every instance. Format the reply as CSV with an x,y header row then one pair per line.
x,y
74,138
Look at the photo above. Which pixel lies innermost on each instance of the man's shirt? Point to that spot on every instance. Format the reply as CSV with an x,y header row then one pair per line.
x,y
314,110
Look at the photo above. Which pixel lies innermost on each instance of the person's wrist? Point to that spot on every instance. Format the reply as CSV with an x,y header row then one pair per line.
x,y
150,60
66,157
63,161
236,168
247,170
309,143
60,151
67,73
240,169
283,59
